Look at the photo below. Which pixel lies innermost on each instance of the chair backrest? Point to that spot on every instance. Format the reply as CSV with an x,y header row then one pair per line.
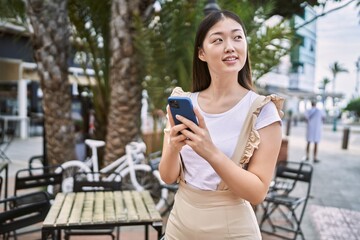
x,y
36,161
299,171
288,173
1,181
97,181
35,178
25,210
4,172
2,133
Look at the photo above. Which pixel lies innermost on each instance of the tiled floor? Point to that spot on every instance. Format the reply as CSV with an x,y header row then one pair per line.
x,y
336,223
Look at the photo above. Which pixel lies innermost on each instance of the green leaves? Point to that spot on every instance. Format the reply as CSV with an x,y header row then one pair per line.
x,y
164,44
354,106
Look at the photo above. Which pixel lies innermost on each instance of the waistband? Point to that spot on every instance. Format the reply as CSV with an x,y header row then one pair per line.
x,y
202,198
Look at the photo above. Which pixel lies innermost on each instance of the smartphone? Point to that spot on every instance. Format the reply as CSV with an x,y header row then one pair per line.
x,y
182,106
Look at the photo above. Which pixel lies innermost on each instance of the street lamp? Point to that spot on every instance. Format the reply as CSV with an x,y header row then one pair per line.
x,y
211,6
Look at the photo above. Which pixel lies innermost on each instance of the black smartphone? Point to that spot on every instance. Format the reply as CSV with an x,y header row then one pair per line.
x,y
182,106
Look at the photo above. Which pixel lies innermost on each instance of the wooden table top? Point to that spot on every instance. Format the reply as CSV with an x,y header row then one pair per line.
x,y
88,208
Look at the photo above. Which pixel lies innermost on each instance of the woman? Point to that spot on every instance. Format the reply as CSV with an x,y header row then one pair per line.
x,y
219,175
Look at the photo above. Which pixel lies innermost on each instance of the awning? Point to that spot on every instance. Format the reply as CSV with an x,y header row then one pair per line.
x,y
14,70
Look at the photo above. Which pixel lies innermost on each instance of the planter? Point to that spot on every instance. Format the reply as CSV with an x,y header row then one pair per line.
x,y
153,141
283,154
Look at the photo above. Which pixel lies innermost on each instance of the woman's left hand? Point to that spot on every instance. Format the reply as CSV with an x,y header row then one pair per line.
x,y
198,138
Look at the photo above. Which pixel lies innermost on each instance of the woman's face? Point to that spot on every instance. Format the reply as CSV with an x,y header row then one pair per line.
x,y
224,47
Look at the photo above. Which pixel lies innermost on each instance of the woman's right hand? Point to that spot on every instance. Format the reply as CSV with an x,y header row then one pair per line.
x,y
176,140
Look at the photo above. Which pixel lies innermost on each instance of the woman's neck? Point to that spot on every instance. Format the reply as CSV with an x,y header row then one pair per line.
x,y
221,96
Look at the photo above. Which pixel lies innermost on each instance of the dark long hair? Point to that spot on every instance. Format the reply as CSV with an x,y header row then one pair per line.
x,y
201,75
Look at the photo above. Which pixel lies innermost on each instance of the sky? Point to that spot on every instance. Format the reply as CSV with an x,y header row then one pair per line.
x,y
338,39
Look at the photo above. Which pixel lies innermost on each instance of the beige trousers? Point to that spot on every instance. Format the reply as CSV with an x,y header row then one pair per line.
x,y
210,215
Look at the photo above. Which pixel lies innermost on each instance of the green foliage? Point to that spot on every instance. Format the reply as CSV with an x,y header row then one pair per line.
x,y
13,11
164,44
91,36
354,106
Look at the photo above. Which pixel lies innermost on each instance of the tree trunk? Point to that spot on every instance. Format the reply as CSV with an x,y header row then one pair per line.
x,y
50,40
125,101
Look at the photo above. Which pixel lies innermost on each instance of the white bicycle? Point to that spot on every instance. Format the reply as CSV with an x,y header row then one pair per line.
x,y
135,174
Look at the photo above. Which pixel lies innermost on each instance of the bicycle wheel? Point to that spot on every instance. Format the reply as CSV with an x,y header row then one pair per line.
x,y
69,169
147,181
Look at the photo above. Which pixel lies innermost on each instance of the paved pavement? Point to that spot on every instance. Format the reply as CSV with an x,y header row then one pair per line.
x,y
333,212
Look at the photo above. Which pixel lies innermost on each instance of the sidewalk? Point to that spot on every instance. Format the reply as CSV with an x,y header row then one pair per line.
x,y
333,212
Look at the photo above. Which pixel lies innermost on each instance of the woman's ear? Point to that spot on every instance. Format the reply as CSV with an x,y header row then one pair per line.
x,y
201,55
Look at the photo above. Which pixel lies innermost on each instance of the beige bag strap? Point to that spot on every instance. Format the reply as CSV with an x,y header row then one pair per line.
x,y
246,129
245,132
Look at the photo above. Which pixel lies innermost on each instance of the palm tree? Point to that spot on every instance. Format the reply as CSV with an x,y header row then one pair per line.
x,y
50,39
335,69
125,97
322,87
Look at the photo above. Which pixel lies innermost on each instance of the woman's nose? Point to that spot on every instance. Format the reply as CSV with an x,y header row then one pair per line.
x,y
229,47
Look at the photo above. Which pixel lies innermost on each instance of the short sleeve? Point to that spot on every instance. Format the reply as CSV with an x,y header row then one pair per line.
x,y
268,115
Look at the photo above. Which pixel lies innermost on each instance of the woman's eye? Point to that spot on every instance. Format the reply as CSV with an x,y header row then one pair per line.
x,y
239,37
218,40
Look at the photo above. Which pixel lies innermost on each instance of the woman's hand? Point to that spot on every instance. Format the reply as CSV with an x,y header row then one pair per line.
x,y
198,138
176,139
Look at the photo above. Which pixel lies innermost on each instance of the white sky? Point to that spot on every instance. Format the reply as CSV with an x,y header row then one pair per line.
x,y
338,39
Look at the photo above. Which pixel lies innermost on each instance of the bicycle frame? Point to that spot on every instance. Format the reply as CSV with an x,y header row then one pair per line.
x,y
127,165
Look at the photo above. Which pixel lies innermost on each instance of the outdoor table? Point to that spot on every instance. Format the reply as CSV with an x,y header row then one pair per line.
x,y
90,210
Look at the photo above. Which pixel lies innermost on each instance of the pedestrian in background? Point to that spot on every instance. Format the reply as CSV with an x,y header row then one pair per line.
x,y
228,160
314,118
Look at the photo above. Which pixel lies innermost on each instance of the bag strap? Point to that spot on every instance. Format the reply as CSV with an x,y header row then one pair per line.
x,y
246,129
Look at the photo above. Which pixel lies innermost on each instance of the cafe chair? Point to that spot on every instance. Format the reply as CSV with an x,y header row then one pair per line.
x,y
95,181
37,179
22,211
6,137
33,180
36,161
1,181
4,179
286,201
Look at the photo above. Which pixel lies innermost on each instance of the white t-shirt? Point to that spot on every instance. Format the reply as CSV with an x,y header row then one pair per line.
x,y
224,130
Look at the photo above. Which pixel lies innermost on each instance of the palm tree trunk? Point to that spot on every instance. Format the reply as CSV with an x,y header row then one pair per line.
x,y
50,40
125,101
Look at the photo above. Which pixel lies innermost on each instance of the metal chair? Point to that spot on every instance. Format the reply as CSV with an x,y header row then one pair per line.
x,y
23,211
35,179
6,137
95,181
285,204
4,179
1,181
36,161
